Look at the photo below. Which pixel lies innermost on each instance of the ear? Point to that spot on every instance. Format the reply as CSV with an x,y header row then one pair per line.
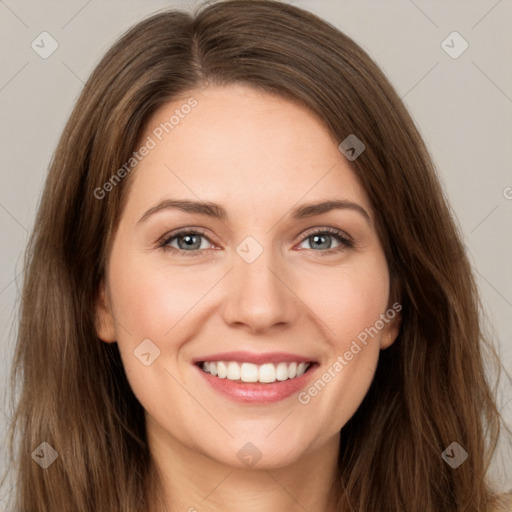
x,y
391,328
393,315
105,325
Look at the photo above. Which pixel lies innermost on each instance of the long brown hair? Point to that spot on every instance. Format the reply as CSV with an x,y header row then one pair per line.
x,y
430,387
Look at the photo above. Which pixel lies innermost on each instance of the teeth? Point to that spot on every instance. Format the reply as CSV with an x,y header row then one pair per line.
x,y
248,372
233,371
222,370
282,371
301,369
267,373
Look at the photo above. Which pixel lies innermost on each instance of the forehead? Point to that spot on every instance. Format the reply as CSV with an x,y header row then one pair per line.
x,y
240,145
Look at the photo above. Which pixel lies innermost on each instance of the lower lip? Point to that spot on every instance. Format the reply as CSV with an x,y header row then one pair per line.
x,y
252,392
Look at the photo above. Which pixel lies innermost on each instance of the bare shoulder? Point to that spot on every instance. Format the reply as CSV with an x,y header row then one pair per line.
x,y
504,503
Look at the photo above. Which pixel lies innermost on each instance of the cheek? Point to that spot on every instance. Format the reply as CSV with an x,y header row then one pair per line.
x,y
350,303
347,300
357,340
152,305
151,299
163,304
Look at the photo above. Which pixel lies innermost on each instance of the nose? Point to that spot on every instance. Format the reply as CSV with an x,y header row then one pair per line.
x,y
259,295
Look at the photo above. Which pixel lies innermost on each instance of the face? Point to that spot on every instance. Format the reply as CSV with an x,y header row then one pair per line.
x,y
221,256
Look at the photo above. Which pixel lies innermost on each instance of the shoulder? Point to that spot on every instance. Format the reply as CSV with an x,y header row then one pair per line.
x,y
503,503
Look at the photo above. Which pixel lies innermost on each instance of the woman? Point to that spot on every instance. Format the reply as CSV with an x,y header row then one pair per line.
x,y
245,289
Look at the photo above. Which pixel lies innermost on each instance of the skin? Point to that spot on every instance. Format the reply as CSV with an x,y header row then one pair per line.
x,y
258,156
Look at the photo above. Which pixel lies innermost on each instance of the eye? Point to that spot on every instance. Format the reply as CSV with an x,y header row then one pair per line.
x,y
322,240
186,241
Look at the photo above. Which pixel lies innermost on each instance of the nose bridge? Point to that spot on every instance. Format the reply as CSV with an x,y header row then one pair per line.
x,y
257,295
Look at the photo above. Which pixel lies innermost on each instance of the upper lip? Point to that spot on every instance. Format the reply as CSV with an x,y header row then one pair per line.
x,y
255,358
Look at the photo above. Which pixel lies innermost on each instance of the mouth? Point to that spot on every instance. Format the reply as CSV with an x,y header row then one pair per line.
x,y
261,380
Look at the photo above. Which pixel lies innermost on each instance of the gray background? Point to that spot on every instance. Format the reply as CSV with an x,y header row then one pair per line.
x,y
462,106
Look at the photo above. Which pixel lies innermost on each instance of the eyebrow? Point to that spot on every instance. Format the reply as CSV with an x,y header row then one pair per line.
x,y
216,211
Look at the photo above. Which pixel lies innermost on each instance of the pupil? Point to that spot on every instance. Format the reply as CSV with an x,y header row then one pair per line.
x,y
317,238
189,240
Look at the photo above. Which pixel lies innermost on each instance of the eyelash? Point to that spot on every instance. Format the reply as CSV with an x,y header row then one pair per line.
x,y
345,242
